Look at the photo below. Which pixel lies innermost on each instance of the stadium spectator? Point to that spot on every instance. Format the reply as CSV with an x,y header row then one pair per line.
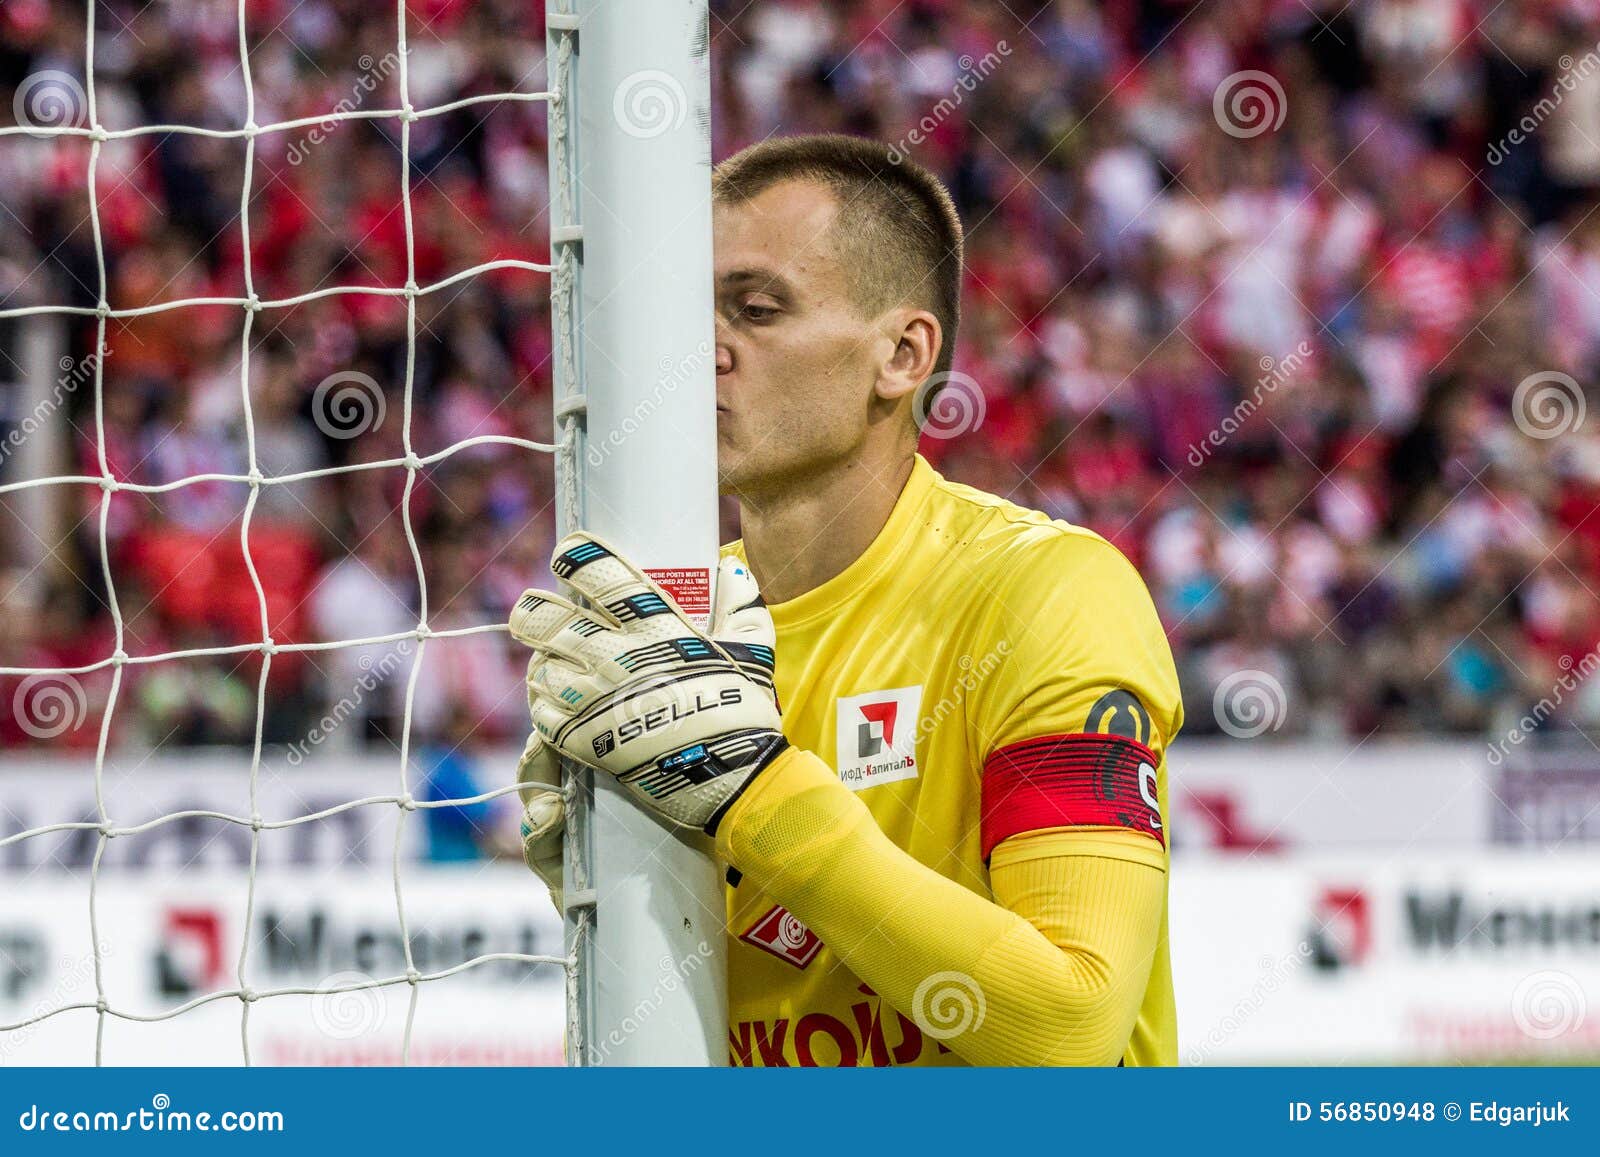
x,y
1276,348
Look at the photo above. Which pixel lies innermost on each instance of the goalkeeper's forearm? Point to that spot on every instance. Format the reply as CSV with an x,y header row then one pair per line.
x,y
1057,968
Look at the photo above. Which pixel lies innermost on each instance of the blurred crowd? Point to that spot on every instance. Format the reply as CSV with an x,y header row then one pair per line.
x,y
1296,302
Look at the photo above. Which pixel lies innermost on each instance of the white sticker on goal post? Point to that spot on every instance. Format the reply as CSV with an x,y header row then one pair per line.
x,y
690,588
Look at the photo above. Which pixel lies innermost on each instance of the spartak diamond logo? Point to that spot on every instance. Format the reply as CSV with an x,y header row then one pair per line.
x,y
779,933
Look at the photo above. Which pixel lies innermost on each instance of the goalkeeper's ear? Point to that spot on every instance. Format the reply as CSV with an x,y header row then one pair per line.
x,y
914,356
738,612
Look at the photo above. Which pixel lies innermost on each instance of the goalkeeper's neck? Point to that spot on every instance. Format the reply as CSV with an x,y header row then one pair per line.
x,y
804,531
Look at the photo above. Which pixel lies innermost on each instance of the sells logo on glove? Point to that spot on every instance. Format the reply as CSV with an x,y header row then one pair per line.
x,y
639,720
877,735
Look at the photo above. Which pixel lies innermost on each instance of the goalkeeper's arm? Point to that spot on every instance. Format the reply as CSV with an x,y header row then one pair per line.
x,y
1056,964
1054,968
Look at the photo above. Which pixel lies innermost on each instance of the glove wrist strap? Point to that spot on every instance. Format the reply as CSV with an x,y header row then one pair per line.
x,y
761,762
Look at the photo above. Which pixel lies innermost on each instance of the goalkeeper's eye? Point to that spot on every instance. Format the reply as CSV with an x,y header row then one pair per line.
x,y
758,313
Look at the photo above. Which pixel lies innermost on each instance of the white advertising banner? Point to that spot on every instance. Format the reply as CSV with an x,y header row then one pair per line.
x,y
1379,924
1257,793
170,940
1241,795
1287,959
1385,956
137,789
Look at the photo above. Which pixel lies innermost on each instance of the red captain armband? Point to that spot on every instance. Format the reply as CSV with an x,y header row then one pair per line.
x,y
1070,781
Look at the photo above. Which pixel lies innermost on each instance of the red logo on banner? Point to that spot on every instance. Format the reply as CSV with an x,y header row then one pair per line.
x,y
1341,932
785,937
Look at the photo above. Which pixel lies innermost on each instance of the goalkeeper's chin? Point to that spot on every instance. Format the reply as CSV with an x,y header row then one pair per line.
x,y
749,465
732,476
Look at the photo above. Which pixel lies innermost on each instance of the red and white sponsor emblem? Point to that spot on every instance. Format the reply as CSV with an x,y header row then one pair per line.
x,y
877,735
781,934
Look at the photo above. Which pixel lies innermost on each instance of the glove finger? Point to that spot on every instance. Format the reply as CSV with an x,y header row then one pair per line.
x,y
735,588
544,813
613,584
566,687
741,624
549,869
537,769
548,622
739,612
544,820
543,823
548,717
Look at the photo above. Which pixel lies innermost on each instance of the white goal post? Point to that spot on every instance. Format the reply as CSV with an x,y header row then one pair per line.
x,y
627,97
630,164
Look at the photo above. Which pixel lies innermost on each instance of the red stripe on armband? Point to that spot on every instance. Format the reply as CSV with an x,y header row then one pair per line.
x,y
1070,781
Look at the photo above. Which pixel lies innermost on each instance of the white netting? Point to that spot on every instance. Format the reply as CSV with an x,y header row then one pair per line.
x,y
250,304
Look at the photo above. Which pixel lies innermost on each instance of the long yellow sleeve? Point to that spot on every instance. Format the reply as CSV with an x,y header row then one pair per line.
x,y
1049,973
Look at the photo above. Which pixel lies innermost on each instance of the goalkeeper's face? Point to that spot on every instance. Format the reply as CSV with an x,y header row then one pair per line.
x,y
806,380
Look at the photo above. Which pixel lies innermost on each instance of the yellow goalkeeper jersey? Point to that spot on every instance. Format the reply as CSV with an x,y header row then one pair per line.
x,y
979,673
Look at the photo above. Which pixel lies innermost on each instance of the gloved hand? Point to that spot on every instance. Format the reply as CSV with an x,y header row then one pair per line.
x,y
684,719
543,814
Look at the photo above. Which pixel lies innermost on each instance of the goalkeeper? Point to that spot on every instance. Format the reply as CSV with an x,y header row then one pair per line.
x,y
950,846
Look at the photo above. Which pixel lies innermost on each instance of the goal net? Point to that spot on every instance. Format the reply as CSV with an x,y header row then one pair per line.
x,y
302,897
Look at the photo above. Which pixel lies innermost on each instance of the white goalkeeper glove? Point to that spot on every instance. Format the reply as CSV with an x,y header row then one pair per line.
x,y
683,718
543,813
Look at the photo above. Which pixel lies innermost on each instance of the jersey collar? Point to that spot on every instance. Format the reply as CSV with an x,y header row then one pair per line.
x,y
851,582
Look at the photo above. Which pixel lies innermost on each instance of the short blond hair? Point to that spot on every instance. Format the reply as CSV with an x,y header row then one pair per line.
x,y
897,227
